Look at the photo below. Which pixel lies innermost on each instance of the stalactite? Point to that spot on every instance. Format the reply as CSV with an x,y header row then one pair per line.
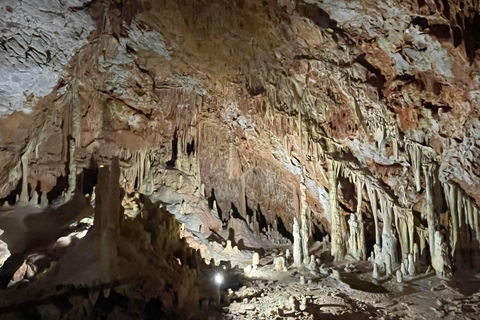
x,y
450,194
475,223
338,244
395,148
415,153
428,208
242,199
361,243
401,224
372,195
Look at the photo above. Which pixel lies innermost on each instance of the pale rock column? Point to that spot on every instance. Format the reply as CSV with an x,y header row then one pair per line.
x,y
389,241
338,244
451,199
440,261
372,195
304,231
353,245
24,197
361,236
297,244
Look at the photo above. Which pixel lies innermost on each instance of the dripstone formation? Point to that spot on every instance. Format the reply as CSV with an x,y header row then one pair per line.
x,y
261,138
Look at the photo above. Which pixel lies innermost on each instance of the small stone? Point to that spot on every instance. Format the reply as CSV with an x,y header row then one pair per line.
x,y
302,280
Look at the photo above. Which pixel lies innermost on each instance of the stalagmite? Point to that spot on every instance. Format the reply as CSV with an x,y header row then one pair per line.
x,y
34,200
411,265
256,259
312,265
279,264
437,257
399,276
375,274
353,240
440,261
297,244
389,241
388,265
338,245
416,254
403,268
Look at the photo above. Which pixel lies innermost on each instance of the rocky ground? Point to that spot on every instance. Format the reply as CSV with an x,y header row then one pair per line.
x,y
346,291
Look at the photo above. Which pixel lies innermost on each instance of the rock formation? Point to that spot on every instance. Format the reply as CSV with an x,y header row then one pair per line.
x,y
256,124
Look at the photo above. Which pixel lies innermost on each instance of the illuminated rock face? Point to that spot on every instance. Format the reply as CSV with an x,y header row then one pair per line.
x,y
256,107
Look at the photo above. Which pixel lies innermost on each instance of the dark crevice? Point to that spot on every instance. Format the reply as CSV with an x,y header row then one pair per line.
x,y
191,148
283,230
421,22
435,108
457,36
317,15
377,80
472,36
441,31
171,162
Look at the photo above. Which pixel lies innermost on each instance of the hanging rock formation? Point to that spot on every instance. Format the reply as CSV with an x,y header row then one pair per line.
x,y
359,118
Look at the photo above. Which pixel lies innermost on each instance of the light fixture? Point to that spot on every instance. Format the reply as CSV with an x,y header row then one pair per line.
x,y
218,279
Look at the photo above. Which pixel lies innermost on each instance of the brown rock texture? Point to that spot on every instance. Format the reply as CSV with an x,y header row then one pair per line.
x,y
228,100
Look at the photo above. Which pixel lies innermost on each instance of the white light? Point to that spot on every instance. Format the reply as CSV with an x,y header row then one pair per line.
x,y
218,278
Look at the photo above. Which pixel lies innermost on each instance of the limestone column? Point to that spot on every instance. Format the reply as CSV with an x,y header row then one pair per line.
x,y
361,241
451,199
24,197
25,159
428,208
297,244
338,243
304,232
74,137
389,241
372,195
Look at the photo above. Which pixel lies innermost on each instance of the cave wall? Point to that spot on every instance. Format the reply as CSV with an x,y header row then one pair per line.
x,y
240,95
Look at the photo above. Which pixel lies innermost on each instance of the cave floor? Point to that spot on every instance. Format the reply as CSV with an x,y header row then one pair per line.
x,y
344,291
